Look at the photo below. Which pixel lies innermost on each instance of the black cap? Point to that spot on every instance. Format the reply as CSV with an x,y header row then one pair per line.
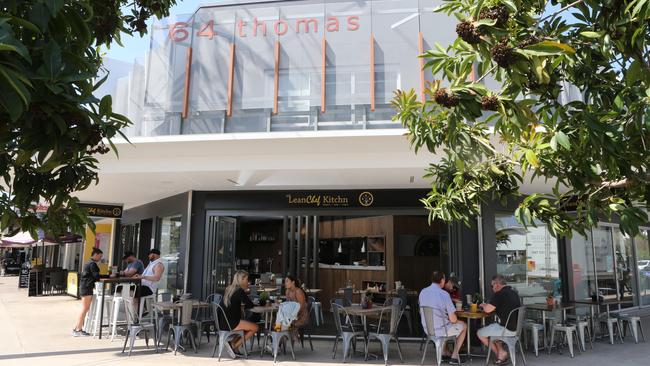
x,y
127,254
154,251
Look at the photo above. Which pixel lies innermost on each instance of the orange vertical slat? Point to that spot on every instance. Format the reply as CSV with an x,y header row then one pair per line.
x,y
186,92
231,76
323,70
372,72
276,77
421,52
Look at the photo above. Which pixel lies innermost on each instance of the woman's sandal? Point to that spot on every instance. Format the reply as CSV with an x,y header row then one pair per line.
x,y
505,361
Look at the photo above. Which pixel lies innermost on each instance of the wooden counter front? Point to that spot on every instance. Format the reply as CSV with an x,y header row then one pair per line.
x,y
332,279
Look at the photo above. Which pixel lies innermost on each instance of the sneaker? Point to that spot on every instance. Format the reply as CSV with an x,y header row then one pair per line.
x,y
78,333
86,334
457,361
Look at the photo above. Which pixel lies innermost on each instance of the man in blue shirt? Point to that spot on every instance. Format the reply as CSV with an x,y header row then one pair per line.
x,y
134,266
445,321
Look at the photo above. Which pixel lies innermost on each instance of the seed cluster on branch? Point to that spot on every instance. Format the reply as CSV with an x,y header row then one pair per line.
x,y
468,32
498,13
446,98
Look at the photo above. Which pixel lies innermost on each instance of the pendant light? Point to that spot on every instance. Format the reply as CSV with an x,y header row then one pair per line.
x,y
340,250
363,245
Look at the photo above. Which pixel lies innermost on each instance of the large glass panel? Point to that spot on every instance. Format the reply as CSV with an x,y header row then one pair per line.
x,y
300,30
347,77
602,237
527,258
624,266
582,267
395,26
643,266
170,242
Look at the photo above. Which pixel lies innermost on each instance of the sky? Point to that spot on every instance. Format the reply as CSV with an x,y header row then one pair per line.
x,y
135,46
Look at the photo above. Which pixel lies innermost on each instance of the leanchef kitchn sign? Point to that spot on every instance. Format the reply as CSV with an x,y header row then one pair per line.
x,y
364,199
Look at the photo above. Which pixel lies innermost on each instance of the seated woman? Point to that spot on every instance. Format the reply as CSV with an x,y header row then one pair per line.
x,y
233,298
295,293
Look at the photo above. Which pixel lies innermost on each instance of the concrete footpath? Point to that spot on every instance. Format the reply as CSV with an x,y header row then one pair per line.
x,y
36,331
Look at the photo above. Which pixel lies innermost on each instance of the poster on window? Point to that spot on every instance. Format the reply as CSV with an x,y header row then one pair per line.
x,y
103,242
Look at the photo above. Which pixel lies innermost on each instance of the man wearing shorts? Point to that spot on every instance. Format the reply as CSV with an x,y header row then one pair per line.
x,y
150,277
504,300
437,298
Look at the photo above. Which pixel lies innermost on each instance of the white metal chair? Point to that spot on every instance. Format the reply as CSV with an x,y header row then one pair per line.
x,y
92,318
317,309
183,327
123,292
633,324
136,327
439,339
385,334
511,341
287,314
224,335
570,333
346,331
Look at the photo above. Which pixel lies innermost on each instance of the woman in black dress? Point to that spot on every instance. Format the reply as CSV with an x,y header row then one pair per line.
x,y
89,275
233,298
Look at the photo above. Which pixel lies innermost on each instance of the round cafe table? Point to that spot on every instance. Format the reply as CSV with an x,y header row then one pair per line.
x,y
469,315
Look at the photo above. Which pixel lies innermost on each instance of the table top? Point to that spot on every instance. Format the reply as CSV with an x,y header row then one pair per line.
x,y
168,305
604,302
267,289
120,280
546,307
313,290
358,310
264,309
472,314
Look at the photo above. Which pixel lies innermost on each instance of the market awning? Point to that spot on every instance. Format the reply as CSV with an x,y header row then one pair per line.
x,y
21,240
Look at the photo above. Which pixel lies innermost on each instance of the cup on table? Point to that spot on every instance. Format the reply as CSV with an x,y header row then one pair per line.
x,y
459,305
473,308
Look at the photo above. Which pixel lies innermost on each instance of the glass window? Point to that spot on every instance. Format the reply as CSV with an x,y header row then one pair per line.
x,y
602,239
643,266
170,242
527,258
624,265
582,266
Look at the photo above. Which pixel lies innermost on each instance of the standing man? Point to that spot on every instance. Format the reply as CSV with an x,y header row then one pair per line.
x,y
134,266
150,277
437,298
504,300
89,275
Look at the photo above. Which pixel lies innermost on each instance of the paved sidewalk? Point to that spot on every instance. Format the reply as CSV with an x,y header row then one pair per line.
x,y
36,331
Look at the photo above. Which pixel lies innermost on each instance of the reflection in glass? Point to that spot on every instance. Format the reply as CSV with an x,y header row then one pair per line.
x,y
170,241
643,266
528,259
582,266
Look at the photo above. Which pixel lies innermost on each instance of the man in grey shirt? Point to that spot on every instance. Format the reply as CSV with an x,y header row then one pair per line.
x,y
134,266
444,315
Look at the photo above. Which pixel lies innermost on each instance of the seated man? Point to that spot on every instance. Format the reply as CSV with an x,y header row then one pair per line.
x,y
437,298
504,300
150,276
134,266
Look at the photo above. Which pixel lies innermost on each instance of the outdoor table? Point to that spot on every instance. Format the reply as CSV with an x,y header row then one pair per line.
x,y
357,310
545,308
267,289
267,312
469,315
172,307
313,291
111,281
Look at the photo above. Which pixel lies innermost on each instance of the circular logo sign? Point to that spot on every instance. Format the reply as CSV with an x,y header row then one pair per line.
x,y
366,199
117,212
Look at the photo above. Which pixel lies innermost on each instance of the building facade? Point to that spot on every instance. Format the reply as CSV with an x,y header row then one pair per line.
x,y
263,139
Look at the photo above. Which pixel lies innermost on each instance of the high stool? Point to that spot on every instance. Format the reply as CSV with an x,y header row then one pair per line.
x,y
634,325
122,292
534,329
92,318
610,323
317,309
146,302
570,333
584,327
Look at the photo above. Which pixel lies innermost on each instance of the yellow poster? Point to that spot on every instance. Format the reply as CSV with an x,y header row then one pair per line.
x,y
73,284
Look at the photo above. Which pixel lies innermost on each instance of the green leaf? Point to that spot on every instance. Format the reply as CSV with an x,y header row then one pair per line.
x,y
531,157
634,73
510,5
105,106
590,34
548,48
55,6
563,140
52,59
16,84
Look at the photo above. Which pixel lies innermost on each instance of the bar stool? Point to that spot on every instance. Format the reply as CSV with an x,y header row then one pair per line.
x,y
122,292
584,327
95,309
634,325
534,329
571,334
610,323
146,302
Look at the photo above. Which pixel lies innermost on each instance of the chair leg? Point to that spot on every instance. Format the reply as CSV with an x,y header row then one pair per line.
x,y
634,329
581,336
552,342
487,359
336,342
399,349
569,341
610,330
424,354
189,331
347,340
620,333
535,336
523,357
384,349
293,355
641,331
132,343
126,339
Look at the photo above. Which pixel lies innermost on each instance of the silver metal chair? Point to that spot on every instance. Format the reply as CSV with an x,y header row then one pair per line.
x,y
570,333
204,317
346,331
633,324
289,309
384,334
439,340
511,341
183,327
224,335
406,308
317,309
611,323
136,327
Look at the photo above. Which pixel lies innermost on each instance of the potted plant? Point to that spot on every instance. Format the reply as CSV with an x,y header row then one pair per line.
x,y
264,297
550,301
366,302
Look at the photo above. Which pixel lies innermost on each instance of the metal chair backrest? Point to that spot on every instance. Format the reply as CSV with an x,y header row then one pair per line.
x,y
165,296
347,295
131,314
430,316
288,313
339,302
521,316
402,296
125,290
340,313
98,287
186,312
392,319
219,313
214,298
254,293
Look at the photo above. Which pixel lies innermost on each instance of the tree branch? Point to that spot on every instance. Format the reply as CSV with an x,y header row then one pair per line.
x,y
558,12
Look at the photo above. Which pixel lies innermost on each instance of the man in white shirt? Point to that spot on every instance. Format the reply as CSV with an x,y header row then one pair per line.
x,y
444,314
150,277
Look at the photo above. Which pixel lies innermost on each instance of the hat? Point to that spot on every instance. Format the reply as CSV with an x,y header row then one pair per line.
x,y
127,254
154,251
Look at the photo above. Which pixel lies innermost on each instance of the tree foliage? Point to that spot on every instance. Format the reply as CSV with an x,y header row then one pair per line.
x,y
51,125
590,152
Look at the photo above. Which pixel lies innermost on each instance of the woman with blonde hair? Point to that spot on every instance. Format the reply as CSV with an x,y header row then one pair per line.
x,y
233,298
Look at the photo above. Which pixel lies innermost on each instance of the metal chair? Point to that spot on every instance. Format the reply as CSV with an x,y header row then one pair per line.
x,y
439,340
510,341
385,334
611,323
224,335
317,309
183,327
287,314
306,329
346,331
123,293
406,308
570,333
534,329
633,324
347,295
204,317
135,327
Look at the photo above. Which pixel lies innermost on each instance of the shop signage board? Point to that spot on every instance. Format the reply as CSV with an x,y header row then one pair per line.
x,y
102,210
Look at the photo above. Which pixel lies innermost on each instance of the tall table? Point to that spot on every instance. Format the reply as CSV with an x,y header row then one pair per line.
x,y
469,315
111,281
